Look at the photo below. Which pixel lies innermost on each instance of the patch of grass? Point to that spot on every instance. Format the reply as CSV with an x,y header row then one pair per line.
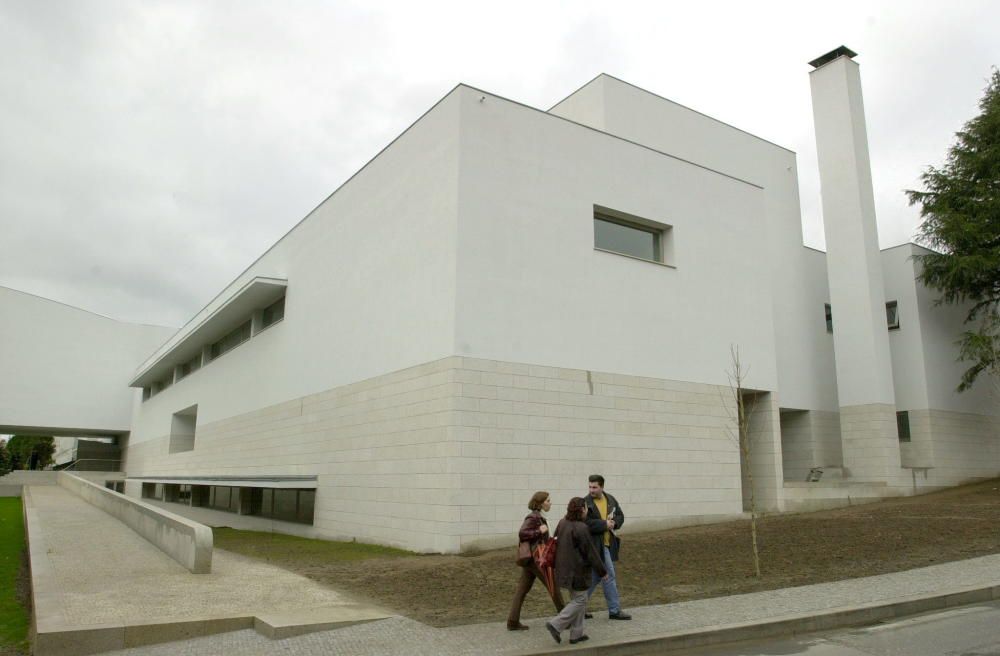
x,y
280,548
13,616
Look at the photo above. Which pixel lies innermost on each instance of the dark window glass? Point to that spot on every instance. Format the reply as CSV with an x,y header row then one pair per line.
x,y
903,426
892,315
285,504
307,504
191,366
231,341
200,495
627,239
273,313
148,490
829,317
221,497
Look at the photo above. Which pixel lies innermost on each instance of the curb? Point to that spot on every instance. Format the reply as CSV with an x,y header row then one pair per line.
x,y
784,626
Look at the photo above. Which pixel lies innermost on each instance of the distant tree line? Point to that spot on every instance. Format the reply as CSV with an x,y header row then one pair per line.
x,y
26,452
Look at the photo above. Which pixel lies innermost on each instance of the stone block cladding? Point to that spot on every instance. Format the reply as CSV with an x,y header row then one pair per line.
x,y
870,442
965,446
443,457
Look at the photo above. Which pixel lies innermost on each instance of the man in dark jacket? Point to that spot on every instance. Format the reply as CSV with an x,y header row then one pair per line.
x,y
604,516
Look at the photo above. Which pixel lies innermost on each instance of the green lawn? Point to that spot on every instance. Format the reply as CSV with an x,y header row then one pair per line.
x,y
13,616
280,548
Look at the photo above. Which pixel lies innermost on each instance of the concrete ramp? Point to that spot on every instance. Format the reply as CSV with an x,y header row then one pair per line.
x,y
99,586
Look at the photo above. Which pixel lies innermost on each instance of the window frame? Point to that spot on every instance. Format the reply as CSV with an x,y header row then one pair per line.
x,y
893,325
903,431
661,233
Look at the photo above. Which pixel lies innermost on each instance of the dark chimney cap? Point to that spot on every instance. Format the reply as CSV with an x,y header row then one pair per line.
x,y
833,54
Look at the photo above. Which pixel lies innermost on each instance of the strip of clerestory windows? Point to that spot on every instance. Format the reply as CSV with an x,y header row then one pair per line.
x,y
269,316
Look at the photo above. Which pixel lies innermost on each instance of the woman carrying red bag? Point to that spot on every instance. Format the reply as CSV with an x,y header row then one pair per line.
x,y
534,531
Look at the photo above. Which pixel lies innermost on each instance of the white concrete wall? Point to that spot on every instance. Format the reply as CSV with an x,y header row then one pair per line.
x,y
65,368
804,362
531,287
857,294
371,279
956,434
909,369
940,327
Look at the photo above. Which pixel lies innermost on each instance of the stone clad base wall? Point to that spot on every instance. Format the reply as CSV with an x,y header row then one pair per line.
x,y
444,456
964,446
810,438
870,443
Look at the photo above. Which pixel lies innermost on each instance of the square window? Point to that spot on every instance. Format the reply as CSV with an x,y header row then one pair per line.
x,y
892,315
616,232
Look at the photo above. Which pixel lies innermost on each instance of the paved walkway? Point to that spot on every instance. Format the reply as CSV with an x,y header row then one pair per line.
x,y
96,572
792,609
90,570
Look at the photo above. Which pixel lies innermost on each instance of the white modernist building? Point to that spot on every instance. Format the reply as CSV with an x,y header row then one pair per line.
x,y
507,299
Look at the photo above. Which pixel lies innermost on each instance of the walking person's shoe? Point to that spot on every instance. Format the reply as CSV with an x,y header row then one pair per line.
x,y
588,616
620,615
516,626
552,630
573,641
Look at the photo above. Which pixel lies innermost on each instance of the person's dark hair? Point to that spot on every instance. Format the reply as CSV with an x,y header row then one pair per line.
x,y
537,499
575,509
596,478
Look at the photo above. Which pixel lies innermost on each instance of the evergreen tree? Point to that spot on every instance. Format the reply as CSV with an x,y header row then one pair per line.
x,y
5,465
960,205
30,451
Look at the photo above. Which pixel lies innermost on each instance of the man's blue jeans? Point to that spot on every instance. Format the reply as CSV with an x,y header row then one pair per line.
x,y
610,586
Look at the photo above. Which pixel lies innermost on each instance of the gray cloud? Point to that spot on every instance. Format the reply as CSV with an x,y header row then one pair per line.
x,y
150,151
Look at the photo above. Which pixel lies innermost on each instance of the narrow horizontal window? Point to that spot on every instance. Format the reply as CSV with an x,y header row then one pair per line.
x,y
621,233
627,240
189,367
273,313
231,341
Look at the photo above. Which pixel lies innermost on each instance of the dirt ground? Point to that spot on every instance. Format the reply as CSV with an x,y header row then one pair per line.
x,y
685,563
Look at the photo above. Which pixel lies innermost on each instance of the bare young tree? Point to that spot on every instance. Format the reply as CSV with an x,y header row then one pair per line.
x,y
746,403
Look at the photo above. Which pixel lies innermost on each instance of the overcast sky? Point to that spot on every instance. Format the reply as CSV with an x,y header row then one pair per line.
x,y
150,151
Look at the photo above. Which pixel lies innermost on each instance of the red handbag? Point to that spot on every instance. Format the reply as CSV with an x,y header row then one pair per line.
x,y
545,554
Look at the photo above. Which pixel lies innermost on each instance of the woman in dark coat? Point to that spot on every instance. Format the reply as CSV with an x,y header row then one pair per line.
x,y
576,560
534,529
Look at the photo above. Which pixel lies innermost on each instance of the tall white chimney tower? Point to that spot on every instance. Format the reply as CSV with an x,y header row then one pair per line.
x,y
857,297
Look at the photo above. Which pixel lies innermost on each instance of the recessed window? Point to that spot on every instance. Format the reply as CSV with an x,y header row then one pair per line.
x,y
273,313
829,317
231,341
182,430
892,315
903,426
624,234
